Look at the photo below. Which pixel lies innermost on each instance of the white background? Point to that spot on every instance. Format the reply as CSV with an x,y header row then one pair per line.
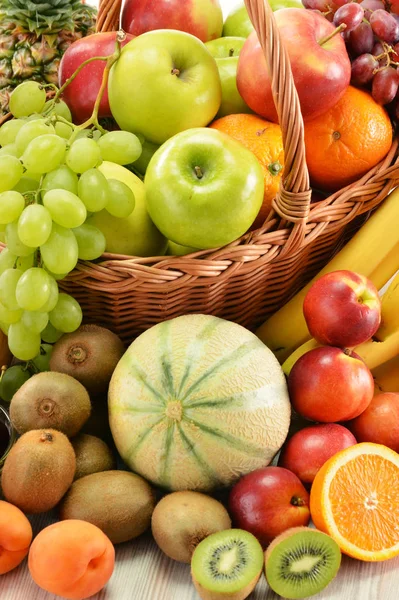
x,y
227,5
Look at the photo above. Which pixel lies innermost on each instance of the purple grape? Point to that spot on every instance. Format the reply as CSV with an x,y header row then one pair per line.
x,y
384,26
341,2
321,5
378,50
361,39
385,85
350,14
363,69
371,5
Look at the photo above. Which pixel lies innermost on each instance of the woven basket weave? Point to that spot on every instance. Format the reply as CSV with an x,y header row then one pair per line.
x,y
255,275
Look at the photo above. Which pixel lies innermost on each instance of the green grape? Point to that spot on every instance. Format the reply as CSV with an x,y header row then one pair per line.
x,y
25,262
60,108
60,252
35,320
33,117
91,242
7,260
4,327
65,208
84,154
13,378
33,176
120,147
12,204
42,360
14,243
3,237
44,153
53,297
8,131
26,185
8,286
61,178
33,289
23,343
11,172
51,334
9,316
121,200
56,276
9,150
27,98
93,190
30,131
67,314
63,130
34,225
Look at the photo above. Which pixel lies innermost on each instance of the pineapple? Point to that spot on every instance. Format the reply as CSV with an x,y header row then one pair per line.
x,y
34,34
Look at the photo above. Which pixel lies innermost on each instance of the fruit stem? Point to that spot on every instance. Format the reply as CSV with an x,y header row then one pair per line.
x,y
198,172
327,38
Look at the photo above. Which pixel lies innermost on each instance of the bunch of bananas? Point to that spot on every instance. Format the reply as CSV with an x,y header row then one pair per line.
x,y
373,252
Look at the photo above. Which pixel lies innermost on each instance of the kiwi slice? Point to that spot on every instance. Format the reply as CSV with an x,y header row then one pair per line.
x,y
301,562
90,354
227,565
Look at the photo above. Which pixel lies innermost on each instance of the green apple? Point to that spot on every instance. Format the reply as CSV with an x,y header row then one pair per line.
x,y
239,24
178,250
136,235
165,81
226,51
203,188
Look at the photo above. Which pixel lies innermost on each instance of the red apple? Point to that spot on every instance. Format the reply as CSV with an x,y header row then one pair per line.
x,y
342,309
321,69
269,501
81,94
379,423
307,451
202,18
329,385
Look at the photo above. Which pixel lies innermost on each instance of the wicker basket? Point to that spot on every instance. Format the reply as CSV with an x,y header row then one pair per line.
x,y
252,277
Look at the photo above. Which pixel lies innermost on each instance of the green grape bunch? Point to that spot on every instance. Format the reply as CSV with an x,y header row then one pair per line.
x,y
49,185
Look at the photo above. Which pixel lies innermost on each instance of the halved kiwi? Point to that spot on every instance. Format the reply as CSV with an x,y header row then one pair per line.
x,y
301,562
227,565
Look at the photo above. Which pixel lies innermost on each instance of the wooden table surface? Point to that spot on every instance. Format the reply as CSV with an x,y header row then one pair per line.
x,y
143,572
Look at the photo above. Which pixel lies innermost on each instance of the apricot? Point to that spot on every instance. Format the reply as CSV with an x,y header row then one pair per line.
x,y
15,536
72,558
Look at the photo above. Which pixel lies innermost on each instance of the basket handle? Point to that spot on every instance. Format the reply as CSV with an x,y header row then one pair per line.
x,y
292,202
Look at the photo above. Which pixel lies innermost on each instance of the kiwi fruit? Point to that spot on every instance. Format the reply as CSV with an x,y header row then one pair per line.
x,y
50,400
90,354
301,562
92,455
181,520
227,565
38,470
120,503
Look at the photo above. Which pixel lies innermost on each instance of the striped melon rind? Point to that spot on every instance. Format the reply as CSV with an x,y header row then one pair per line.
x,y
196,402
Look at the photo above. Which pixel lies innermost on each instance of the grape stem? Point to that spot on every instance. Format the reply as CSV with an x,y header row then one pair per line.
x,y
111,60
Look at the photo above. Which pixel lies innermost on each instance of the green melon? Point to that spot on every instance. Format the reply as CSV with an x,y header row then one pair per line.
x,y
196,402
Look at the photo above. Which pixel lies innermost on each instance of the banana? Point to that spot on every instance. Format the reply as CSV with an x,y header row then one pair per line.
x,y
386,376
373,251
389,310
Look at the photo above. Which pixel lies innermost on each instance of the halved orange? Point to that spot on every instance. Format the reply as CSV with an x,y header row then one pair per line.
x,y
355,499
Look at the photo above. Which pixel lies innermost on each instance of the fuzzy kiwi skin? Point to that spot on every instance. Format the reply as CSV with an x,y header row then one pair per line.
x,y
120,503
50,400
38,470
241,595
90,354
92,455
181,520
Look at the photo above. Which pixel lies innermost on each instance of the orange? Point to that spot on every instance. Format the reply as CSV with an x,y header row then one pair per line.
x,y
265,140
347,141
355,499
